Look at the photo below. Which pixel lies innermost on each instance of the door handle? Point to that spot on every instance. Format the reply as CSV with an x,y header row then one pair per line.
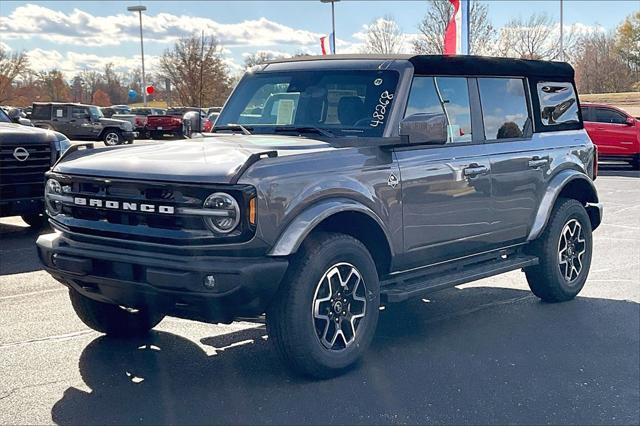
x,y
475,170
536,162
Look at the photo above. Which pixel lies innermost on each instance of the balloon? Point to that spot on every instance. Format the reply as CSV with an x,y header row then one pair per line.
x,y
150,90
132,93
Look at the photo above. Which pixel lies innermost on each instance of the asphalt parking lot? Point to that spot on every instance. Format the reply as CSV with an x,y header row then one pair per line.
x,y
484,353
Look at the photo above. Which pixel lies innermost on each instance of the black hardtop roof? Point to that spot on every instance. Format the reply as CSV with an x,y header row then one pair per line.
x,y
66,103
460,65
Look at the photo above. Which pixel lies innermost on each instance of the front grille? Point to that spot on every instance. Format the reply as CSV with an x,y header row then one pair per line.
x,y
23,179
174,229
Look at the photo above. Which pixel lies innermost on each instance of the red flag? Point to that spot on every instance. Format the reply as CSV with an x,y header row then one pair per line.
x,y
322,45
452,33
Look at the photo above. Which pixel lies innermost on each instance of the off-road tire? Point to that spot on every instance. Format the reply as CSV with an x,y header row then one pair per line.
x,y
112,137
290,319
113,319
36,221
546,279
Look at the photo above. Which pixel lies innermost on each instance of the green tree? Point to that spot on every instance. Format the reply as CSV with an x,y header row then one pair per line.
x,y
628,42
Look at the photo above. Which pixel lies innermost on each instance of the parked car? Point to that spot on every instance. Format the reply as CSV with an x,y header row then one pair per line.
x,y
167,124
17,115
374,180
121,109
78,121
210,121
26,153
615,132
195,122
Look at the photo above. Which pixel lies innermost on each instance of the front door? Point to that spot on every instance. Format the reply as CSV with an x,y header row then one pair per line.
x,y
446,189
80,124
614,135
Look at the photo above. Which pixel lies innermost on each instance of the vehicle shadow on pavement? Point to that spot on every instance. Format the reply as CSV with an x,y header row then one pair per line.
x,y
18,248
476,355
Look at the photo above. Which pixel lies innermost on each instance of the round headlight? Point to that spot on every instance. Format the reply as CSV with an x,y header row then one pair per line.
x,y
51,190
225,213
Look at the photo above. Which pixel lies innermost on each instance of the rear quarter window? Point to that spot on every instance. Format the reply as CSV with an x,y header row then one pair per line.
x,y
505,112
558,103
41,112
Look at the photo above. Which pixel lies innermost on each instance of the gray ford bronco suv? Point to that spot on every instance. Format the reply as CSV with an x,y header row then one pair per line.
x,y
329,187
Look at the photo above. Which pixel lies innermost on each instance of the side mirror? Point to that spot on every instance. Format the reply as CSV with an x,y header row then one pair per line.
x,y
424,129
630,121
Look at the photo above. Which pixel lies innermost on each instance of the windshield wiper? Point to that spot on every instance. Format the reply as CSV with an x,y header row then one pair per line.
x,y
231,126
304,129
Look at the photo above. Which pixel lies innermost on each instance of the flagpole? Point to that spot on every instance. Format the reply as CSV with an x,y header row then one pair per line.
x,y
465,28
561,32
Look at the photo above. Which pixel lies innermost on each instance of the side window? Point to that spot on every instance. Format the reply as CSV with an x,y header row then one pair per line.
x,y
605,115
79,112
586,115
504,108
60,112
443,95
558,104
41,112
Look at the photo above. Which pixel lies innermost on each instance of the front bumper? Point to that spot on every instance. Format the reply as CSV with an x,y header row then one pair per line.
x,y
164,282
129,135
21,206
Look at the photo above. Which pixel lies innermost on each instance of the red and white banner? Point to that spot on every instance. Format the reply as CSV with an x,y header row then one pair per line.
x,y
453,33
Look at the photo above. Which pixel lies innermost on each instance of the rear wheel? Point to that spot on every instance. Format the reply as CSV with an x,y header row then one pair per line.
x,y
36,221
325,313
564,250
112,138
113,320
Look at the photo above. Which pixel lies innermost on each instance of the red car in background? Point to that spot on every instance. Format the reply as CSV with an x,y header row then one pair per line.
x,y
614,131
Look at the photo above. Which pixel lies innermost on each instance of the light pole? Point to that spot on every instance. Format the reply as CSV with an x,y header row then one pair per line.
x,y
561,32
141,9
333,21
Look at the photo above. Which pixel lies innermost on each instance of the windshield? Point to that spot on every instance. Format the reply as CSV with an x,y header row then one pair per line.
x,y
95,112
336,102
4,118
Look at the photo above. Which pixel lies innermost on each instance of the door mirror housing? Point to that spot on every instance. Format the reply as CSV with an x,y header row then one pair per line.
x,y
630,121
424,129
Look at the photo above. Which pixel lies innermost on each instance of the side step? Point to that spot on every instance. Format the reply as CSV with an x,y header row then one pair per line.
x,y
412,284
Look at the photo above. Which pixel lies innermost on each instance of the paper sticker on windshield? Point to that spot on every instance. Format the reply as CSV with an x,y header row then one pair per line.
x,y
285,111
380,112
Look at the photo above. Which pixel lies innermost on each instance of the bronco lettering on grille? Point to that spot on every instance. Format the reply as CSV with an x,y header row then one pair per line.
x,y
124,205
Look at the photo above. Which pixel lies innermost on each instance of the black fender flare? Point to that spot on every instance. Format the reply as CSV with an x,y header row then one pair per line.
x,y
555,187
301,226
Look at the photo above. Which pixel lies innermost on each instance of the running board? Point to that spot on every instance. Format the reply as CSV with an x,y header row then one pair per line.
x,y
412,284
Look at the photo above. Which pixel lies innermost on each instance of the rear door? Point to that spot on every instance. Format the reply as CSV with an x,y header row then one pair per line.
x,y
518,163
60,119
615,136
446,189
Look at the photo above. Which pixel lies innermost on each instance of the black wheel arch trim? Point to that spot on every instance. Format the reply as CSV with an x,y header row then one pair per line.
x,y
561,183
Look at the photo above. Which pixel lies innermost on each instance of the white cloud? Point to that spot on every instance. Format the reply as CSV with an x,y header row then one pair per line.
x,y
81,28
71,63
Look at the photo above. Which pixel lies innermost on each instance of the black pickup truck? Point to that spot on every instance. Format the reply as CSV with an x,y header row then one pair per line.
x,y
329,187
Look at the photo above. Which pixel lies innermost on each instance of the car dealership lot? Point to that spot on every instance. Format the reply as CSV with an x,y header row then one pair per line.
x,y
487,352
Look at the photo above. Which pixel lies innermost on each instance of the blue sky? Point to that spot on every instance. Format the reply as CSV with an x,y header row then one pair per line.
x,y
79,34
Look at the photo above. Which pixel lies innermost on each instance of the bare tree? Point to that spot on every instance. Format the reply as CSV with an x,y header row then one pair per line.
x,y
628,43
260,57
113,86
537,37
432,28
53,86
193,60
599,66
384,36
12,66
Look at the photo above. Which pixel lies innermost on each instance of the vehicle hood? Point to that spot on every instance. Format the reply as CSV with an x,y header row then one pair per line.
x,y
111,121
211,159
16,133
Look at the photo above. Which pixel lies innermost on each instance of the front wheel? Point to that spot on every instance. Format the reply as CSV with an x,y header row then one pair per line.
x,y
325,313
112,138
113,320
564,250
